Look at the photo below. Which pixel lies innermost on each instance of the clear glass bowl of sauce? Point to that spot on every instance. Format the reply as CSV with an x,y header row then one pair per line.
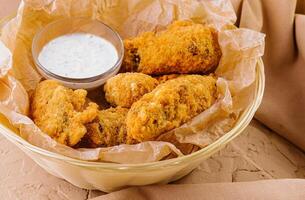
x,y
78,52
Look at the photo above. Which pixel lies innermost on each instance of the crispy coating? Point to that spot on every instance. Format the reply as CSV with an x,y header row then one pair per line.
x,y
126,88
170,105
184,48
164,78
109,129
132,58
61,112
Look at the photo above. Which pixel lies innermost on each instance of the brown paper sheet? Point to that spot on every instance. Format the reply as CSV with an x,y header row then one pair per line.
x,y
241,49
284,189
283,106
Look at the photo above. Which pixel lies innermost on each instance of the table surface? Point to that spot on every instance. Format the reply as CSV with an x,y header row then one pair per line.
x,y
256,154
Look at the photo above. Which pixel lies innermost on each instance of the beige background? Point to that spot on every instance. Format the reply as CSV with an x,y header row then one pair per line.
x,y
7,7
255,155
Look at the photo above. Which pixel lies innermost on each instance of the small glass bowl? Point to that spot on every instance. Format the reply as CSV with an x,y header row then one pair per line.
x,y
77,25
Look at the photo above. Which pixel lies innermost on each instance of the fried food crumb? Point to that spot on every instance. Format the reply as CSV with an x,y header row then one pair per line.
x,y
164,78
126,88
183,48
61,112
109,129
170,105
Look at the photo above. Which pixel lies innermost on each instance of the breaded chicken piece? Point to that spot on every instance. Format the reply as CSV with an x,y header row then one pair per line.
x,y
184,48
109,129
61,112
126,88
170,105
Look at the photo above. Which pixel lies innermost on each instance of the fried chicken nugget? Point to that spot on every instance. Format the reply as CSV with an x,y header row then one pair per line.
x,y
109,129
61,112
184,48
126,88
170,105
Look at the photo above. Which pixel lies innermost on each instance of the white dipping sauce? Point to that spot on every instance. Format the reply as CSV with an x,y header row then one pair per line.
x,y
78,55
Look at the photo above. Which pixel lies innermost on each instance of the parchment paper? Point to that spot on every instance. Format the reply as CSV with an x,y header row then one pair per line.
x,y
241,49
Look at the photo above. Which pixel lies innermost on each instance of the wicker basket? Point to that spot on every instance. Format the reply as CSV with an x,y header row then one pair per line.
x,y
109,176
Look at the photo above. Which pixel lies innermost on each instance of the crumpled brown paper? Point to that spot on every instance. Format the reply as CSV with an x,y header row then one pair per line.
x,y
283,189
241,49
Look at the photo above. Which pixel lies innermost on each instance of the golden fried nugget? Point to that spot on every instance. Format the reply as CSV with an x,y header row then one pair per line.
x,y
61,112
126,88
184,48
170,105
109,129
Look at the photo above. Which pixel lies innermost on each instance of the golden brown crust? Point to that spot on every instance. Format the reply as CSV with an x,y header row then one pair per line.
x,y
170,105
126,88
164,78
184,48
61,112
131,56
109,129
